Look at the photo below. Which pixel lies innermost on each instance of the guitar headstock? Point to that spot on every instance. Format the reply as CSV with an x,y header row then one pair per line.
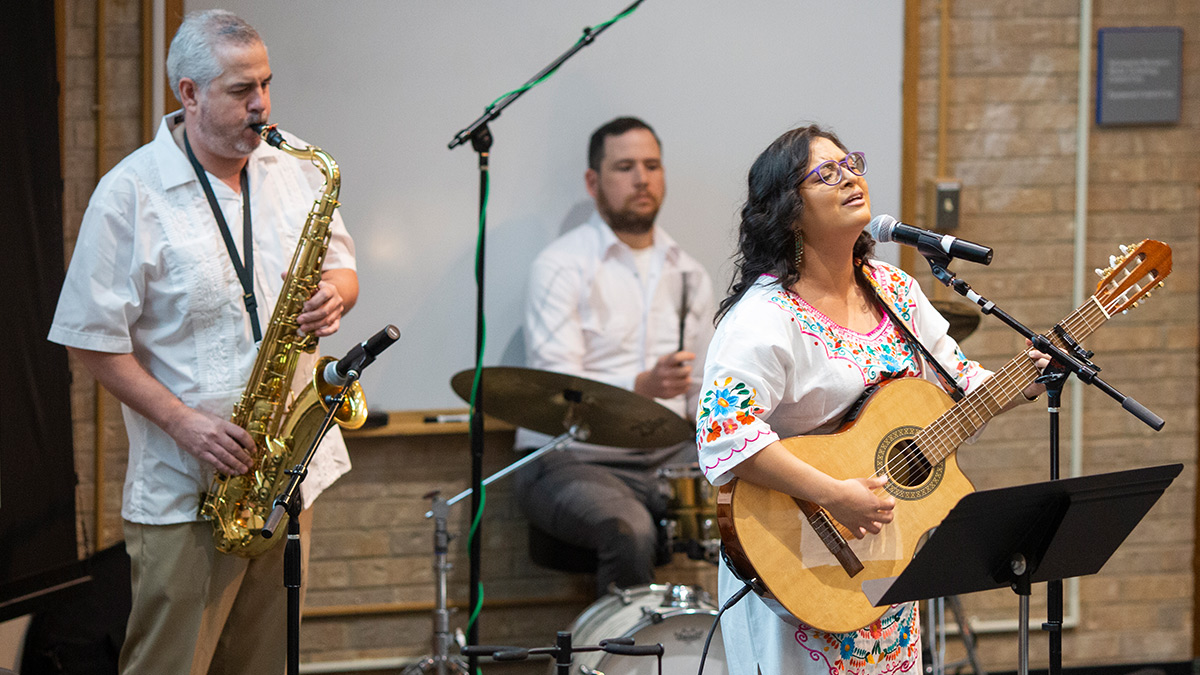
x,y
1131,276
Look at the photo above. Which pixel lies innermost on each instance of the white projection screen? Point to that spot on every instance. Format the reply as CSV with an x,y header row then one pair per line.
x,y
384,85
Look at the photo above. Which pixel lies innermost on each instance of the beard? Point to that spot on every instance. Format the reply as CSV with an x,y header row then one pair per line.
x,y
625,218
231,139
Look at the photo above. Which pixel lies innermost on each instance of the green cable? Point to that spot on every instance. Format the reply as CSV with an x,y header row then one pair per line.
x,y
586,33
487,189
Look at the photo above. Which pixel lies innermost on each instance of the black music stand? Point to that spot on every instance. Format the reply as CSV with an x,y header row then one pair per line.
x,y
1026,534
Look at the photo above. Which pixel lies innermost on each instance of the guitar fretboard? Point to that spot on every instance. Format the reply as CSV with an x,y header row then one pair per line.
x,y
941,438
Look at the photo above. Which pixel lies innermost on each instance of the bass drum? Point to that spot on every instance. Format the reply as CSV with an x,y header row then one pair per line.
x,y
678,617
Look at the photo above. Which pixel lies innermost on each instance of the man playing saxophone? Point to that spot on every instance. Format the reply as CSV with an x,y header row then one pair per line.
x,y
180,258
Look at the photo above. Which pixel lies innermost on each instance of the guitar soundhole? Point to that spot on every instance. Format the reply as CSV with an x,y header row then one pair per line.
x,y
906,464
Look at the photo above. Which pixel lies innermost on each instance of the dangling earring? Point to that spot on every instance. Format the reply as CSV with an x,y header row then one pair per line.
x,y
799,250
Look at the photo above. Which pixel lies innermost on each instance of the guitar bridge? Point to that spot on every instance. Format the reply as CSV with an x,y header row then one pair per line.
x,y
830,536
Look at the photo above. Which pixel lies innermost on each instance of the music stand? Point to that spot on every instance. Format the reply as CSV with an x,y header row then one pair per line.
x,y
1026,534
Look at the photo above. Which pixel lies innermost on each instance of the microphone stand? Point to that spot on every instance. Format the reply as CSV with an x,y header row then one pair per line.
x,y
481,140
563,649
289,503
1073,360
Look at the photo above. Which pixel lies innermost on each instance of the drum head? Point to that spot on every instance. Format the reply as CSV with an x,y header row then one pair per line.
x,y
657,613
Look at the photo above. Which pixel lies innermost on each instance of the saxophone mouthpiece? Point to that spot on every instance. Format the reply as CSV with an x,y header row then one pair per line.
x,y
269,132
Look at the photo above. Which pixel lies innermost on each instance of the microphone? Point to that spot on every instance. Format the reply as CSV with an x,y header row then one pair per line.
x,y
360,356
885,228
634,650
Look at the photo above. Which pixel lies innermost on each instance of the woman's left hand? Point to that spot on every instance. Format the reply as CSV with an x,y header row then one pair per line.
x,y
1040,361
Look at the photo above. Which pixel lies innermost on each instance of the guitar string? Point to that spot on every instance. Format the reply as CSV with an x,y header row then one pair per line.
x,y
959,418
1089,319
1002,380
1006,382
1090,316
827,531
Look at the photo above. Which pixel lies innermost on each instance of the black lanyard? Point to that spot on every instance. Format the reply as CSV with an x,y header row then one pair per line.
x,y
245,272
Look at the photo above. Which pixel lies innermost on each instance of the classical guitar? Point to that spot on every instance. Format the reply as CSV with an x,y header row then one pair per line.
x,y
809,568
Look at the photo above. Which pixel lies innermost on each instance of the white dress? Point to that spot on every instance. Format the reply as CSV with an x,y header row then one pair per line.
x,y
778,368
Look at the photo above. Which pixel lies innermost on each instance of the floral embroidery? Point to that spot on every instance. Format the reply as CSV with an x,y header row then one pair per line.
x,y
887,646
895,289
880,355
725,408
746,442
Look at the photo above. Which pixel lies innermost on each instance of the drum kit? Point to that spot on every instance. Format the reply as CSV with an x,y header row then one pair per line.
x,y
678,617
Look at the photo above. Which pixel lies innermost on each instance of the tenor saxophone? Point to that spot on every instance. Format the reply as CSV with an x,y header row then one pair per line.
x,y
283,427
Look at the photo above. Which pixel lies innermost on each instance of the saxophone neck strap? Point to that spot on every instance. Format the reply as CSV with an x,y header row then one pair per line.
x,y
245,272
948,383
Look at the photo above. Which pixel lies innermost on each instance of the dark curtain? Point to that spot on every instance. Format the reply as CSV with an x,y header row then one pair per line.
x,y
37,475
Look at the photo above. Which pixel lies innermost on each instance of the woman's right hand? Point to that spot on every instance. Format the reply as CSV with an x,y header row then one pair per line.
x,y
858,506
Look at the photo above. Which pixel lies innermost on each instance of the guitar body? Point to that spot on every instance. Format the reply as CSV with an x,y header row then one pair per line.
x,y
767,536
817,579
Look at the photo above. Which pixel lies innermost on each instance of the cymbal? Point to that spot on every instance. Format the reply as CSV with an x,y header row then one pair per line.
x,y
551,402
963,317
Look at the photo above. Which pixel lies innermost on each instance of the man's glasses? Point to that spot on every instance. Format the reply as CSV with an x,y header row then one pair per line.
x,y
830,172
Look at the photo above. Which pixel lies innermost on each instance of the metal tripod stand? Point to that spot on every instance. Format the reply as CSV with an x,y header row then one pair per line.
x,y
937,641
441,661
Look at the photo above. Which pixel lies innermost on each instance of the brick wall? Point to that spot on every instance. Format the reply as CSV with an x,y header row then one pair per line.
x,y
372,546
1012,89
1011,140
81,168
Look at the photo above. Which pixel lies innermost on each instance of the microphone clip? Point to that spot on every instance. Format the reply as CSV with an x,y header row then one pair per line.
x,y
939,262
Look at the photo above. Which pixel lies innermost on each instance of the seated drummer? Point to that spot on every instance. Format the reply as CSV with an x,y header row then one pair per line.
x,y
605,303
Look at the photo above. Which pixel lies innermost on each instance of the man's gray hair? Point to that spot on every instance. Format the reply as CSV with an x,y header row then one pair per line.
x,y
192,54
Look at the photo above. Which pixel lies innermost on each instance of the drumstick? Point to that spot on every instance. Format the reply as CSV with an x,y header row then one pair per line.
x,y
683,309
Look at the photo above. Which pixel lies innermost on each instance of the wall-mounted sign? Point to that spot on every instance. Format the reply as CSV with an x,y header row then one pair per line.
x,y
1139,75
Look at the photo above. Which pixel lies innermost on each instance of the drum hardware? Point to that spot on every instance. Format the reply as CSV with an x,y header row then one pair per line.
x,y
563,649
935,651
440,662
510,393
577,433
551,403
678,617
691,521
603,414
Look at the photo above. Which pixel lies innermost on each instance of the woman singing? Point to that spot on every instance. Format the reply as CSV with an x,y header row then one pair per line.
x,y
800,337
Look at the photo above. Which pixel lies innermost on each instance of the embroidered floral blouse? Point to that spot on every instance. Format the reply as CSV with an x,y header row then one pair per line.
x,y
777,367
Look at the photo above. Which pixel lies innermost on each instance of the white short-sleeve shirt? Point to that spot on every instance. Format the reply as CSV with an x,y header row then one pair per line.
x,y
151,276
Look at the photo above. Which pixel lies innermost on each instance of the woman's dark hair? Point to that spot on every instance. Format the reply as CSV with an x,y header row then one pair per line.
x,y
766,236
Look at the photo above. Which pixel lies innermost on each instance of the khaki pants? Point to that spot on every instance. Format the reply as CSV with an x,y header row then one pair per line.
x,y
199,611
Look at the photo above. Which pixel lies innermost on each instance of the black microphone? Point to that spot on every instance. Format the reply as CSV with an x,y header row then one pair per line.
x,y
360,356
886,228
634,650
483,650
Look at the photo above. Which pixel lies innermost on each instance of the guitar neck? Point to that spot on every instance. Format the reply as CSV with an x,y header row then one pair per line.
x,y
941,438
